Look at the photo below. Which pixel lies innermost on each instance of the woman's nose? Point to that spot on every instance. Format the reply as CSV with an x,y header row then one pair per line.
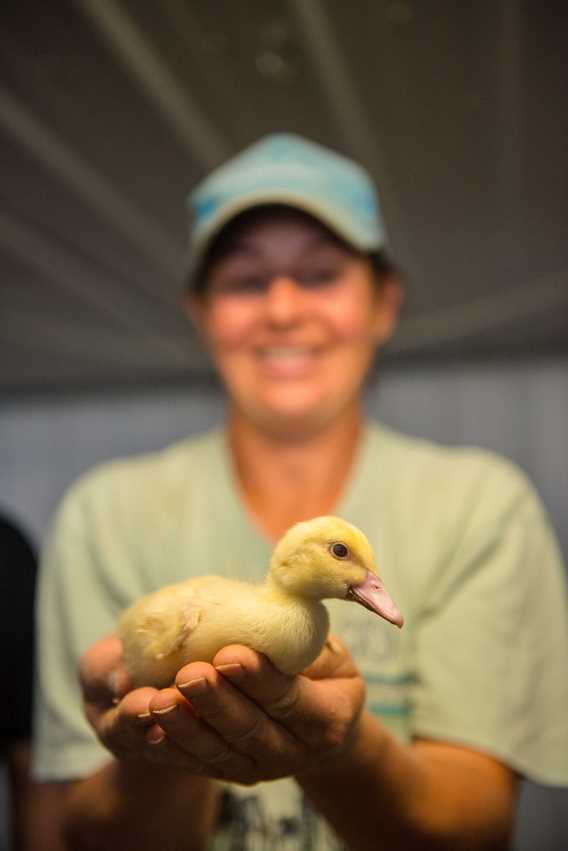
x,y
284,300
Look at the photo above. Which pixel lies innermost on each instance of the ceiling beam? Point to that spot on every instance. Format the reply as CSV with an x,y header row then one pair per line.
x,y
90,186
72,275
479,317
144,63
211,62
511,132
54,337
335,76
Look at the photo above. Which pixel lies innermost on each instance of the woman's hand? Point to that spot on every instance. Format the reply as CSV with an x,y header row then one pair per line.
x,y
238,719
242,720
118,714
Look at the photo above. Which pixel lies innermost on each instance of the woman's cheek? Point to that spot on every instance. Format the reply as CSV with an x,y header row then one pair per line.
x,y
346,326
228,332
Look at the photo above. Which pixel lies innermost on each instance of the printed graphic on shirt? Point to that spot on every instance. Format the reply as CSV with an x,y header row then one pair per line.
x,y
258,820
376,648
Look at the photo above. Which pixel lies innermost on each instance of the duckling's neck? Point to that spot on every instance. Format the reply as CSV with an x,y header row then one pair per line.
x,y
279,592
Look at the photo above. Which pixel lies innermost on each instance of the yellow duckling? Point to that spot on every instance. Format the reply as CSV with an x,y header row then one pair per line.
x,y
283,617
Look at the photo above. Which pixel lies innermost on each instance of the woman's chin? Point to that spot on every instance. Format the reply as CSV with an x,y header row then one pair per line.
x,y
292,419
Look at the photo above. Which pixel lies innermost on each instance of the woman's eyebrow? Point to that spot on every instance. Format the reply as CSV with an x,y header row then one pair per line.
x,y
237,247
245,246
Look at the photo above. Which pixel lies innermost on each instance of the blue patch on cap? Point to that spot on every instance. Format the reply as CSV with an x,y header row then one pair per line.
x,y
283,165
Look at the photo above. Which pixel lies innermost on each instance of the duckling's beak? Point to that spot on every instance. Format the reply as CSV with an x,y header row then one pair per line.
x,y
372,594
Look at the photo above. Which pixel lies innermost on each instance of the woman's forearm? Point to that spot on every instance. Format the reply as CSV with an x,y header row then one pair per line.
x,y
133,804
385,794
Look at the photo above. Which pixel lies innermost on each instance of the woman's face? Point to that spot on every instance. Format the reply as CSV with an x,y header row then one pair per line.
x,y
292,319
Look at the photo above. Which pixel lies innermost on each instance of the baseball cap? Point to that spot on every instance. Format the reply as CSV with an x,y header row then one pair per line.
x,y
284,168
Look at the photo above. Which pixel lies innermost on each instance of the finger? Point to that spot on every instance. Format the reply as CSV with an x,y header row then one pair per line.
x,y
129,730
308,709
255,675
334,661
163,751
178,721
102,673
122,727
176,717
238,720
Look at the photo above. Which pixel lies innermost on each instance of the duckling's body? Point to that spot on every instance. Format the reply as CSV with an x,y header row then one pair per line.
x,y
283,618
195,618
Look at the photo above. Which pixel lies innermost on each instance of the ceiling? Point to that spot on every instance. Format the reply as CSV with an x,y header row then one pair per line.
x,y
111,110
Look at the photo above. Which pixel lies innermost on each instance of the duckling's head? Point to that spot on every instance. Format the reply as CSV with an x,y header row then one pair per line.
x,y
328,557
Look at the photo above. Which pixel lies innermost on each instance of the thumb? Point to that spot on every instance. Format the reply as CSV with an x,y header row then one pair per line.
x,y
333,662
102,674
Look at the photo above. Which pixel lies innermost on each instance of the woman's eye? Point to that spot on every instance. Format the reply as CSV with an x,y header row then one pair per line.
x,y
241,285
318,277
250,284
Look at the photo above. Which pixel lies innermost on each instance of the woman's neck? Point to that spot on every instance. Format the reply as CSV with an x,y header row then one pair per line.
x,y
285,479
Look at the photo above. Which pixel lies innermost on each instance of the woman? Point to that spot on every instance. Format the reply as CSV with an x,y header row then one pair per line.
x,y
419,738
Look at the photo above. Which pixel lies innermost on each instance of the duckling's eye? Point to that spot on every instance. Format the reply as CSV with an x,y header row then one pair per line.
x,y
339,550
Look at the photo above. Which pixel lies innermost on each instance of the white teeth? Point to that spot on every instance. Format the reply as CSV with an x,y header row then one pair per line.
x,y
282,352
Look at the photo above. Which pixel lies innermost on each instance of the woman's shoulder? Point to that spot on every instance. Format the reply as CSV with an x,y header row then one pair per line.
x,y
445,487
445,508
143,478
416,460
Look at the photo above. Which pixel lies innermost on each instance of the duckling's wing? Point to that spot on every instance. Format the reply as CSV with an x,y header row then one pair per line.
x,y
161,622
165,637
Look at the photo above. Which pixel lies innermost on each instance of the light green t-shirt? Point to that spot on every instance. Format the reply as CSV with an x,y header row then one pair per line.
x,y
463,546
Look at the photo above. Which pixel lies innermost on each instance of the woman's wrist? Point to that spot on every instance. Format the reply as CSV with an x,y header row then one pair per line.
x,y
133,801
371,786
365,745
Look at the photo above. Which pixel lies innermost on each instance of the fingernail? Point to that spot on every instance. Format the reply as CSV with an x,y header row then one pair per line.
x,y
154,736
196,686
164,710
231,669
144,716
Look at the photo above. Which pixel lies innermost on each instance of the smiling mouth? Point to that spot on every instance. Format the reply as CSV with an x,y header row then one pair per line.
x,y
287,361
285,353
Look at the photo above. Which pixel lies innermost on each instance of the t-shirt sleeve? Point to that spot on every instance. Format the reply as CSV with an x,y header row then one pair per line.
x,y
492,642
76,605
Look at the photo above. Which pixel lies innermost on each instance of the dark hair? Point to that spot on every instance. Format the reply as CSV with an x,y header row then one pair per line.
x,y
222,242
383,267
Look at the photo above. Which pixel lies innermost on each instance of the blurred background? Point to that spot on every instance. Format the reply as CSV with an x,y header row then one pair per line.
x,y
111,110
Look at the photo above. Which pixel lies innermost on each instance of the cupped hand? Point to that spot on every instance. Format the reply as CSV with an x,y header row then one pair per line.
x,y
120,715
238,719
242,720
